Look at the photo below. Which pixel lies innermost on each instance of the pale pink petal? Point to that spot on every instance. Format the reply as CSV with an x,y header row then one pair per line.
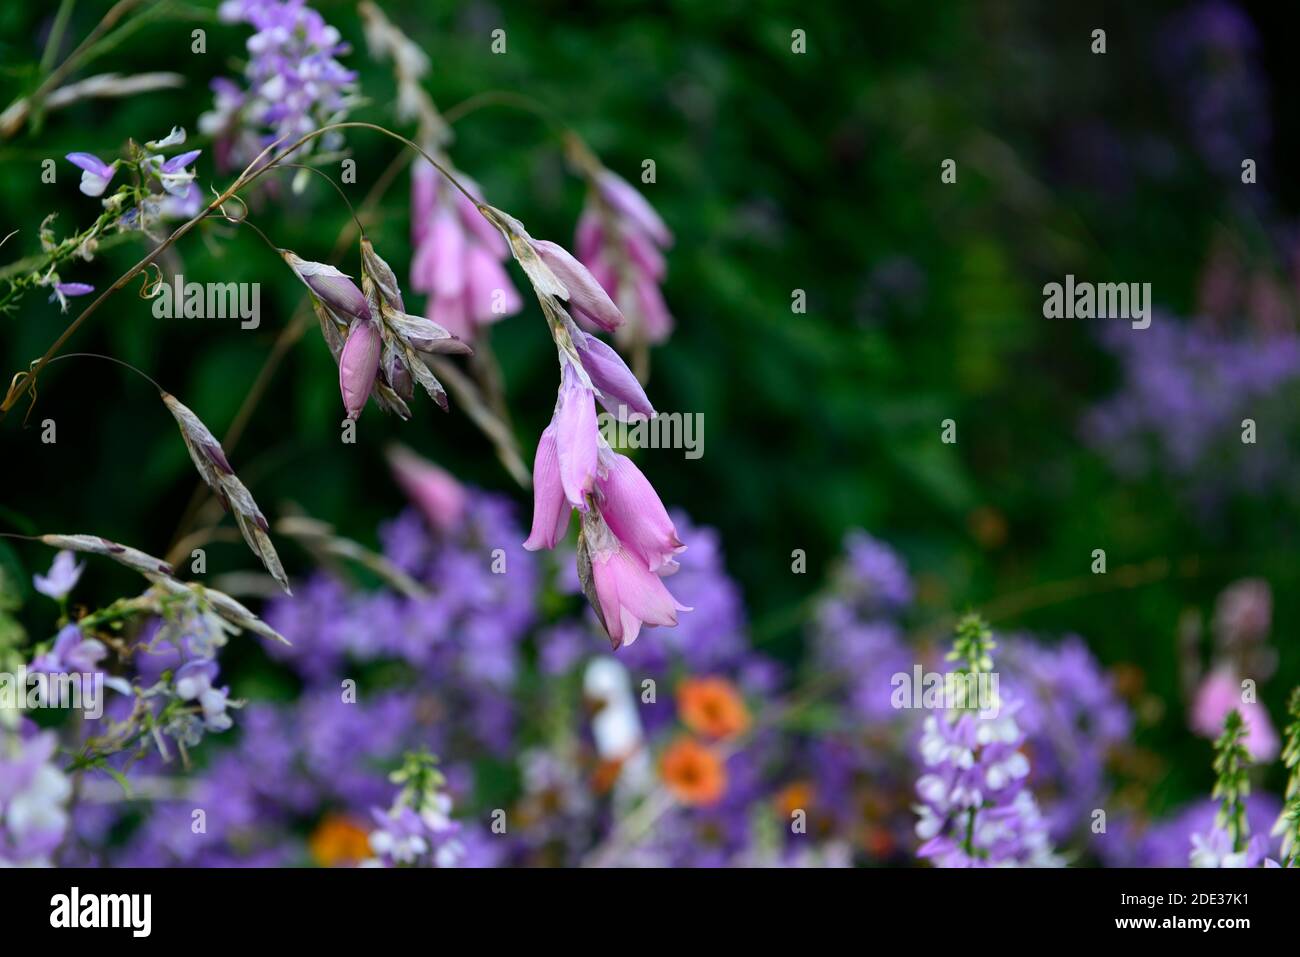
x,y
620,194
550,507
586,296
632,510
451,315
588,237
654,312
575,435
490,294
447,240
479,229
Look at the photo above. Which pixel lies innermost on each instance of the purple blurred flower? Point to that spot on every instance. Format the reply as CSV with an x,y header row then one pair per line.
x,y
1186,387
33,796
95,173
73,653
62,577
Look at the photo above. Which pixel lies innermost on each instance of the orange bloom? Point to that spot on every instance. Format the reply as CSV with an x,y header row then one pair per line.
x,y
797,796
339,841
712,707
692,772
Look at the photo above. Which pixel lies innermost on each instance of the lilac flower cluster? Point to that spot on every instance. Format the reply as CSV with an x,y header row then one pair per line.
x,y
1073,720
856,637
1131,842
463,638
1186,388
162,188
417,830
976,809
33,795
293,81
177,196
1211,55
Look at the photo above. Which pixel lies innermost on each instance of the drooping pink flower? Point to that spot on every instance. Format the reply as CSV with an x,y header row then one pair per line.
x,y
359,365
635,515
1220,693
629,594
458,256
576,437
436,493
551,506
620,239
633,207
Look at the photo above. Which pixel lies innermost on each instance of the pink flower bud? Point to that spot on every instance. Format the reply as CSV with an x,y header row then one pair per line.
x,y
1220,693
635,514
610,374
358,366
329,285
586,296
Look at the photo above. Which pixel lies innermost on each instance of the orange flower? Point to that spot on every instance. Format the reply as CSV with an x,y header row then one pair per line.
x,y
712,707
339,841
797,796
693,773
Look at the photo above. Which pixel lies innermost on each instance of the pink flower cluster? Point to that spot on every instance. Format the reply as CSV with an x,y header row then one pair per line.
x,y
628,543
620,238
458,256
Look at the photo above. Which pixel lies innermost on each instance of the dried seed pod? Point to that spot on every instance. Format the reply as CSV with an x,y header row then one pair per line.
x,y
122,554
210,461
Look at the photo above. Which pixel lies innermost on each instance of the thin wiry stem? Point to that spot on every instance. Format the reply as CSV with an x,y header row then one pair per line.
x,y
126,365
308,137
337,188
520,101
